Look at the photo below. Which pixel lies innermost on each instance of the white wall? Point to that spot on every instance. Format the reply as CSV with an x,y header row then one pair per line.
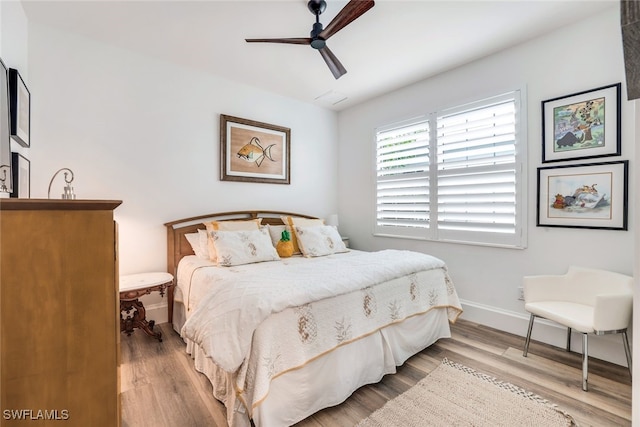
x,y
139,130
14,45
636,296
13,36
584,56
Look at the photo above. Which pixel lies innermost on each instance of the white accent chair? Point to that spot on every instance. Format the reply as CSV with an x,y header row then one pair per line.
x,y
587,300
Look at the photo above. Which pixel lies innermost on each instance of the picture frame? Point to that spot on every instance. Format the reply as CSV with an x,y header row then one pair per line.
x,y
584,196
20,109
582,125
5,125
21,170
252,151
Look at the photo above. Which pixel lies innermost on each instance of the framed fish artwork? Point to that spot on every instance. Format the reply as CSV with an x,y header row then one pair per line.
x,y
252,151
583,125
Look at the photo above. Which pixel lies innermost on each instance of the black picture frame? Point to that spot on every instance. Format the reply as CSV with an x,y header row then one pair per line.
x,y
20,109
593,195
21,171
5,134
583,125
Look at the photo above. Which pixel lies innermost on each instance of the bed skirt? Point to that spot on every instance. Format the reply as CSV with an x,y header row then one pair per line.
x,y
301,392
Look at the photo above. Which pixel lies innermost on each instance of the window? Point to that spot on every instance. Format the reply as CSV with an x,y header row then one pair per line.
x,y
455,175
403,177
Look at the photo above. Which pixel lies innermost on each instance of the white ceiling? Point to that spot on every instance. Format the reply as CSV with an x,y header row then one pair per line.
x,y
396,43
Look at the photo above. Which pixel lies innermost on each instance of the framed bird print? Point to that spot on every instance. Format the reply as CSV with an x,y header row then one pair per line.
x,y
252,151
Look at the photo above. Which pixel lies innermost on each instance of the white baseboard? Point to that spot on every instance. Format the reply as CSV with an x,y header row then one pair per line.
x,y
605,347
157,312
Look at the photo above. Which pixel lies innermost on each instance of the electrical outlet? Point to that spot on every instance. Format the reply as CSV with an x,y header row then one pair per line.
x,y
521,293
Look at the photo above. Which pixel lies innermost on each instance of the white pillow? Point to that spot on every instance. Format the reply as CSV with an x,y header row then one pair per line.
x,y
194,241
204,243
275,231
320,241
243,247
198,242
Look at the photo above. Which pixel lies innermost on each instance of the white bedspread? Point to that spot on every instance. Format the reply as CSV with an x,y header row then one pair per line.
x,y
240,298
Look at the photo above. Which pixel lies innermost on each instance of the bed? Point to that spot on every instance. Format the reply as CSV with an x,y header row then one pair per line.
x,y
283,338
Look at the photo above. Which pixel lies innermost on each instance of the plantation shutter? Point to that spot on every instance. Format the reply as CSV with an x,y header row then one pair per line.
x,y
476,168
402,177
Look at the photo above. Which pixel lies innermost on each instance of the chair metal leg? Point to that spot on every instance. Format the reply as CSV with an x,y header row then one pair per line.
x,y
585,361
526,342
568,339
627,351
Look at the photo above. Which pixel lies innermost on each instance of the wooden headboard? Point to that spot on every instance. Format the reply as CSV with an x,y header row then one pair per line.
x,y
178,246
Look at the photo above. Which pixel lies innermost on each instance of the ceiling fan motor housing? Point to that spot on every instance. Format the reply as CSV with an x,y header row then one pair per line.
x,y
317,7
316,41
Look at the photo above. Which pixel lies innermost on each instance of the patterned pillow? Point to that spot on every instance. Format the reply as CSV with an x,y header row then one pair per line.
x,y
243,247
252,224
320,241
293,222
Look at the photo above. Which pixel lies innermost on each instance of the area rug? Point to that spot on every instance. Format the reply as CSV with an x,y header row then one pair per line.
x,y
456,395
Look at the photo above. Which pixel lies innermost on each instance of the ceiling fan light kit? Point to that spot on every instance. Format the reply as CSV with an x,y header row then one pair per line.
x,y
319,35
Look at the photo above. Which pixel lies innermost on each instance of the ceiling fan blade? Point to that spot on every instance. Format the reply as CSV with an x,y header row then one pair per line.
x,y
352,11
303,40
334,65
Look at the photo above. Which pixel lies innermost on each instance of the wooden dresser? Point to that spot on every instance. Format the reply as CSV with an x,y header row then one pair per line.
x,y
59,313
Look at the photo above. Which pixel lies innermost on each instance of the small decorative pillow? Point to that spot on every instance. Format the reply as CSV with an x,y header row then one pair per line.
x,y
293,222
252,224
243,247
320,241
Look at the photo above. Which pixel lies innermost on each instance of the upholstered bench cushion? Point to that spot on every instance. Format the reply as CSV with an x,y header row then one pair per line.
x,y
573,315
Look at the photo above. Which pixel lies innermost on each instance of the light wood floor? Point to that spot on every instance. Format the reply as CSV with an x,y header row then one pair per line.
x,y
160,387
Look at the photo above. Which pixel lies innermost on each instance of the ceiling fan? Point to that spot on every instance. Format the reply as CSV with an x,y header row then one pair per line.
x,y
353,10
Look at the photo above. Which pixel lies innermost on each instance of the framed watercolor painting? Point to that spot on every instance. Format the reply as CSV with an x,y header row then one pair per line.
x,y
252,151
584,196
582,125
